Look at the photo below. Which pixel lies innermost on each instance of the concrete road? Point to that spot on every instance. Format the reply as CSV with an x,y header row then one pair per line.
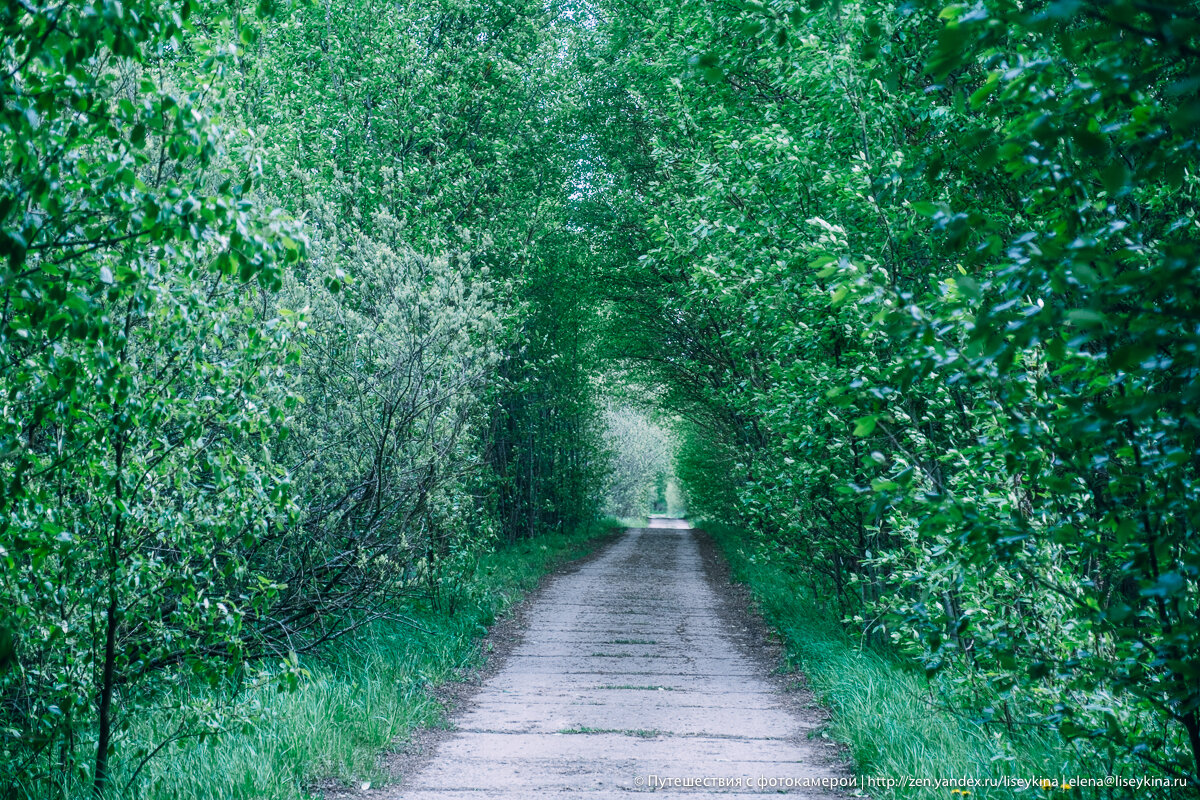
x,y
628,681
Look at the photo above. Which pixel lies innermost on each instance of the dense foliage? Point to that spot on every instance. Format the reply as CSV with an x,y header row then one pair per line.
x,y
923,280
304,307
279,347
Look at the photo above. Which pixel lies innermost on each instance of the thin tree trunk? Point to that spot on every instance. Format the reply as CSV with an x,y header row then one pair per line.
x,y
108,681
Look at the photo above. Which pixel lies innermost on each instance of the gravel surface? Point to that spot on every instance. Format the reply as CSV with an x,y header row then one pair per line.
x,y
634,675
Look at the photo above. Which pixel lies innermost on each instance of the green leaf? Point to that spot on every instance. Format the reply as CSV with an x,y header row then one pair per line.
x,y
1115,176
865,426
1086,318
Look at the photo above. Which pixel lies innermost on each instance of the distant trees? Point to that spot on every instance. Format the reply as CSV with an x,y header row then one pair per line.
x,y
641,452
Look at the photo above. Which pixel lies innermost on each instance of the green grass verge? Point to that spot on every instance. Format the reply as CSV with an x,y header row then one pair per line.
x,y
881,707
368,693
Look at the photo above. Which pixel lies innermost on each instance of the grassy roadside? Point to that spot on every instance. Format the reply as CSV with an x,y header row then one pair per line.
x,y
880,706
369,693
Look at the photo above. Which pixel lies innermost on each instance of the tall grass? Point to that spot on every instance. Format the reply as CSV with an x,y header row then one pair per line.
x,y
366,694
883,709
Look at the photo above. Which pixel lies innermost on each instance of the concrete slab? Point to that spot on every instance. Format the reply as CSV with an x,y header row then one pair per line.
x,y
628,681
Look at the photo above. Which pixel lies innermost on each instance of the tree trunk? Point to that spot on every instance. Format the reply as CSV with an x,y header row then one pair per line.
x,y
108,681
106,690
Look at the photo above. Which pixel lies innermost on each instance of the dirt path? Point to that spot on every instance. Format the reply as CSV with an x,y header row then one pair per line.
x,y
628,678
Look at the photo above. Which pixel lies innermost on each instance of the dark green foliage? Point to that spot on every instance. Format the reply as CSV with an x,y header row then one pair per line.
x,y
924,280
888,713
304,306
140,386
274,279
